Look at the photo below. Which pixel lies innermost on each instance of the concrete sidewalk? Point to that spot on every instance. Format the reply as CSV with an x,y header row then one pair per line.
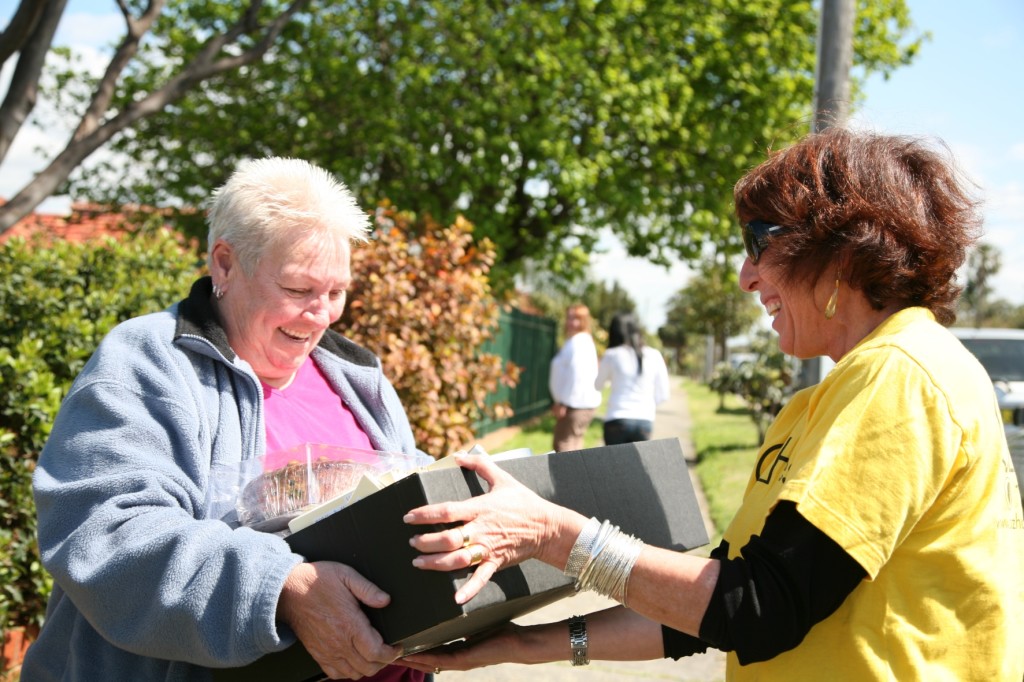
x,y
673,421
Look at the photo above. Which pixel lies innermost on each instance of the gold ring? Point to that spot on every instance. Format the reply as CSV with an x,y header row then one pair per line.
x,y
476,554
465,536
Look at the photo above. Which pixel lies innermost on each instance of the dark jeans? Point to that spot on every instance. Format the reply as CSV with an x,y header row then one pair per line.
x,y
618,431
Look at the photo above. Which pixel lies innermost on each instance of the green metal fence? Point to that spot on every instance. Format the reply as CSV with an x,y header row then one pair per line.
x,y
529,341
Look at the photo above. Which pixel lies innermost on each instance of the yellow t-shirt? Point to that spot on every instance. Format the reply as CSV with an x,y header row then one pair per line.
x,y
899,456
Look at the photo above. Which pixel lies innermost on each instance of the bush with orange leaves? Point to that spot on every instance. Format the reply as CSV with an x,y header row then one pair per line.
x,y
420,299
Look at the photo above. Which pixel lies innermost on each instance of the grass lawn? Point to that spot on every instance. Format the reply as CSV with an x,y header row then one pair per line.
x,y
538,435
725,441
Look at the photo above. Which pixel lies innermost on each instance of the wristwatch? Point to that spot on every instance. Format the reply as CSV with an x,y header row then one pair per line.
x,y
578,640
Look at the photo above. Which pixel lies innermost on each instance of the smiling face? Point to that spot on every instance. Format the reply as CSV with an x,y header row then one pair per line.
x,y
275,317
797,310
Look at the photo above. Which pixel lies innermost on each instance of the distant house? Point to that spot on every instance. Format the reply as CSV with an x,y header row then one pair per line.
x,y
86,222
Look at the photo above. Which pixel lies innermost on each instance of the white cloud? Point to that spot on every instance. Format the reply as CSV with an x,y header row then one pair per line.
x,y
96,31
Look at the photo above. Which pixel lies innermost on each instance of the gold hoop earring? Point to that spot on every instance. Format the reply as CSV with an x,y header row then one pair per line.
x,y
830,307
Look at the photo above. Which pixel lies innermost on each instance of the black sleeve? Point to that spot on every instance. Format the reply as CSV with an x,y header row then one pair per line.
x,y
679,644
766,601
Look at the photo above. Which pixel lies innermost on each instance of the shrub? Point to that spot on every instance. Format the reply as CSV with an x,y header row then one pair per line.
x,y
421,300
761,382
56,302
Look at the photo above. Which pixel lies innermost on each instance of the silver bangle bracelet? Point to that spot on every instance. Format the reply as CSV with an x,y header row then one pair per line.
x,y
611,561
581,550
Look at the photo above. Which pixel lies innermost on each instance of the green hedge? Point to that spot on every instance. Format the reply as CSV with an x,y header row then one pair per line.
x,y
56,303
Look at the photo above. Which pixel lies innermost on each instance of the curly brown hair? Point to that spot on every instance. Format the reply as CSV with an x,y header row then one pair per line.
x,y
892,212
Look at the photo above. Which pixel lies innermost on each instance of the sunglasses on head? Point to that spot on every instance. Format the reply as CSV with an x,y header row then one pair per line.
x,y
757,234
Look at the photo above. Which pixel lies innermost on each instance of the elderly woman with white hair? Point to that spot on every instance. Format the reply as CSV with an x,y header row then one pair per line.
x,y
146,585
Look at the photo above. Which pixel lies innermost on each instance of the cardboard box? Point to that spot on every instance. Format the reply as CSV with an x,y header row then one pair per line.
x,y
642,487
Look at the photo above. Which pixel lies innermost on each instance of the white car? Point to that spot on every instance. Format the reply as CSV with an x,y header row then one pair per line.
x,y
1001,352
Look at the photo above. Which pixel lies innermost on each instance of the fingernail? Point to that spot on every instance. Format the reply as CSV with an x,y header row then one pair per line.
x,y
413,539
418,562
407,518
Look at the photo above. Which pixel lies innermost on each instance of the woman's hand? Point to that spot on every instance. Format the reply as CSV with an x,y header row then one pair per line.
x,y
321,603
503,527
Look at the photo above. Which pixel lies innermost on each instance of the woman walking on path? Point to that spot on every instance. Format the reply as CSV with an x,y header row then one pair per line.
x,y
639,380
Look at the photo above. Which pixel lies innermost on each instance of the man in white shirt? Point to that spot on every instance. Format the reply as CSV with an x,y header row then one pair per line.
x,y
573,372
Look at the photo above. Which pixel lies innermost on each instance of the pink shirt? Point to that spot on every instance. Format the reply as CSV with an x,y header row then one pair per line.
x,y
309,411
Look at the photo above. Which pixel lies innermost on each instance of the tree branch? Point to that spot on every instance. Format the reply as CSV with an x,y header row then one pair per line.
x,y
204,66
20,28
24,85
129,47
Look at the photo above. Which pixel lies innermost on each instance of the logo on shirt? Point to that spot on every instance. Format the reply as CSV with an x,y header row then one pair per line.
x,y
769,461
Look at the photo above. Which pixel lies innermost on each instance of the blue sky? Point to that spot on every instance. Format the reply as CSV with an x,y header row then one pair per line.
x,y
966,87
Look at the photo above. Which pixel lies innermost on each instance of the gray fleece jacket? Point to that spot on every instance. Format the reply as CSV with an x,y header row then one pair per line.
x,y
145,586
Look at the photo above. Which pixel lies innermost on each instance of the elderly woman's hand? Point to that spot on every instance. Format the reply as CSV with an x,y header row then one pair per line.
x,y
321,603
506,526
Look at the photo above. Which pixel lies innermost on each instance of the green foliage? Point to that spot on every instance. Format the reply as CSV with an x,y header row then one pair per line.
x,y
604,302
421,300
1000,313
56,303
674,340
760,381
538,121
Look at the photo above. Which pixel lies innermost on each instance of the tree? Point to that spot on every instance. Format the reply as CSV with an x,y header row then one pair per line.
x,y
1002,313
673,339
605,300
983,263
551,296
538,121
230,40
712,304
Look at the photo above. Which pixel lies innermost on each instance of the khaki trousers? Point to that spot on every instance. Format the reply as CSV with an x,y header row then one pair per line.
x,y
569,429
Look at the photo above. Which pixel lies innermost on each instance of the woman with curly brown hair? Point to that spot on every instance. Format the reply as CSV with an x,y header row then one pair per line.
x,y
881,535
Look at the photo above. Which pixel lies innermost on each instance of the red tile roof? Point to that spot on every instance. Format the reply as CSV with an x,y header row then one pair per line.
x,y
87,221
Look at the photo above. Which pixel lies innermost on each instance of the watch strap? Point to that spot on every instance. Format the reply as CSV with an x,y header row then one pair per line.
x,y
578,640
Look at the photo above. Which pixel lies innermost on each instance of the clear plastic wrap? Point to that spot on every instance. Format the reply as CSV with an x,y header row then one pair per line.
x,y
266,492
